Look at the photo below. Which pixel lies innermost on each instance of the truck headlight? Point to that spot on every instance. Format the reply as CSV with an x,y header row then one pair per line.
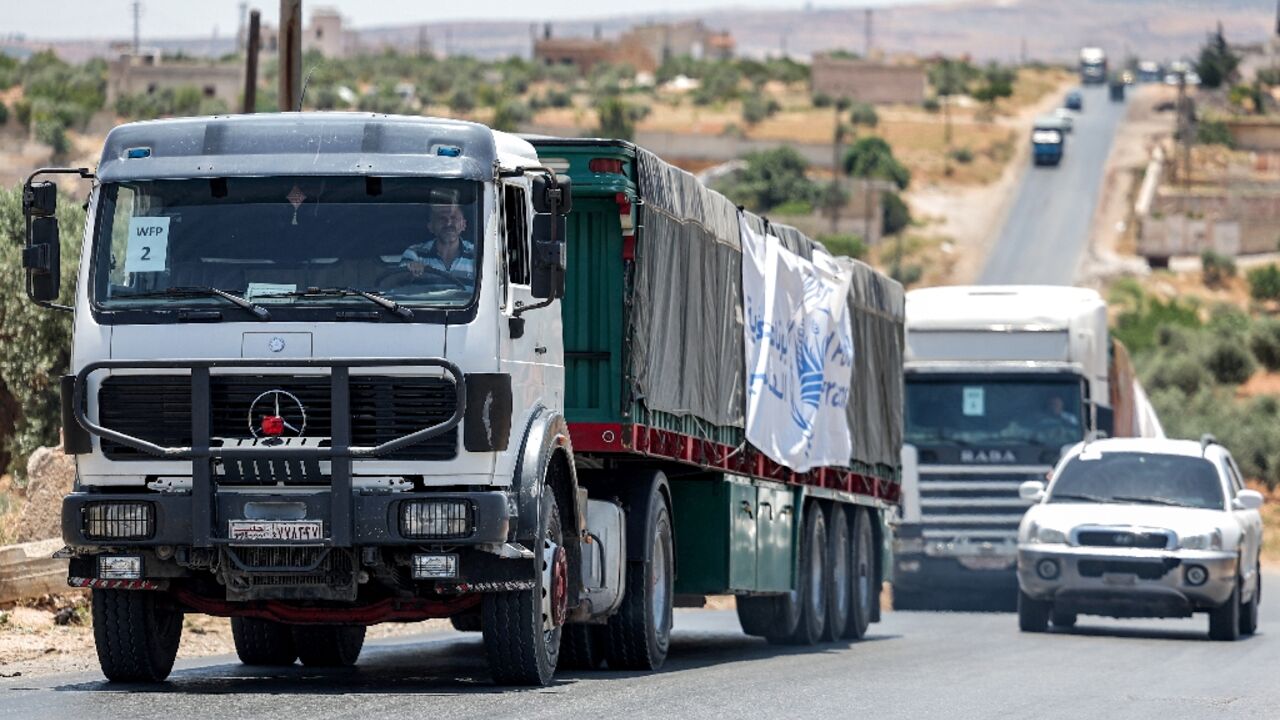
x,y
442,519
1047,535
119,520
1203,541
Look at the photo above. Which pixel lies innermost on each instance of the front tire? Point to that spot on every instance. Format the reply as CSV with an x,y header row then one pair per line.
x,y
137,633
1033,615
521,639
263,642
329,645
1224,620
640,632
1249,612
1064,620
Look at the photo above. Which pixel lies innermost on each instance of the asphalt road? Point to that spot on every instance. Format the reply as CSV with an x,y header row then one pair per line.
x,y
913,665
1047,230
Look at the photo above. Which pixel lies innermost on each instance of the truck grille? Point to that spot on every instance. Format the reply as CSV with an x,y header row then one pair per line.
x,y
158,409
979,504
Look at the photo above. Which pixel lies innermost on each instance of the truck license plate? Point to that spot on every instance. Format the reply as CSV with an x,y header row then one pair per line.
x,y
246,530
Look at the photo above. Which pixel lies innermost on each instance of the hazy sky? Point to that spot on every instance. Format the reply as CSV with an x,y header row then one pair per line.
x,y
178,18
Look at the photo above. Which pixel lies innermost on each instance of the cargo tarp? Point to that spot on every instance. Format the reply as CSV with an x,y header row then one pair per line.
x,y
687,354
799,354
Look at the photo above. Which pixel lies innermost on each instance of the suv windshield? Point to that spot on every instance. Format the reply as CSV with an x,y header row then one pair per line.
x,y
1143,478
1045,412
278,241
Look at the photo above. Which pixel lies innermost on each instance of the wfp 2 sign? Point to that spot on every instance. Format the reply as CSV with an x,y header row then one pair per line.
x,y
148,245
799,354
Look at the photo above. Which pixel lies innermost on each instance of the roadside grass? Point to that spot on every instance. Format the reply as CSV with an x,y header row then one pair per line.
x,y
11,502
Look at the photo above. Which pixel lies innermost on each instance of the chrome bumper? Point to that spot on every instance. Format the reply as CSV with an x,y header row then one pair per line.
x,y
1126,582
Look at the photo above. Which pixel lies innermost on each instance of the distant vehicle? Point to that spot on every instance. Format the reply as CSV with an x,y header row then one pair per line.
x,y
1148,71
1047,146
1141,528
1066,118
1127,77
1116,87
999,379
1074,101
1093,66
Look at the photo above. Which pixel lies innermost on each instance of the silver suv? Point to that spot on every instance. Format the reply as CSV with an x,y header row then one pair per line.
x,y
1142,527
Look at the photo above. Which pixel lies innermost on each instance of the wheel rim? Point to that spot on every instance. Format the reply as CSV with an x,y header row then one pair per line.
x,y
840,573
864,572
658,581
817,598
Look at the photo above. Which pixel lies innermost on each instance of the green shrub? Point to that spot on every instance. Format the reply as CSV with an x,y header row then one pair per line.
x,y
1141,316
1184,372
1228,320
794,207
1215,268
508,115
35,343
4,114
1264,342
822,100
1264,282
756,109
962,155
844,244
931,105
1229,361
558,98
896,215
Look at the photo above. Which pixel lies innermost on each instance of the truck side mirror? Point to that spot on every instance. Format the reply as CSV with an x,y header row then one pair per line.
x,y
42,260
40,199
1031,490
550,257
552,199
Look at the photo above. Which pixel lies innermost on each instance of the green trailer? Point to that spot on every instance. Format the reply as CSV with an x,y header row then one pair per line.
x,y
652,327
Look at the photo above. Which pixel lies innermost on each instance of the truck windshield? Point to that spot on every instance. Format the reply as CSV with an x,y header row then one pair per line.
x,y
984,411
1140,478
283,241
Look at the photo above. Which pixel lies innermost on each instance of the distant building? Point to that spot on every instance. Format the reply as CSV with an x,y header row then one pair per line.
x,y
325,34
869,81
147,73
644,47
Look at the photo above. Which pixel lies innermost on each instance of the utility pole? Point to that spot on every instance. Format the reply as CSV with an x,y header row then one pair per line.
x,y
866,49
251,64
290,55
137,27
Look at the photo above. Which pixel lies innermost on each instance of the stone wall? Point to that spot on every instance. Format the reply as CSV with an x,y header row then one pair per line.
x,y
868,81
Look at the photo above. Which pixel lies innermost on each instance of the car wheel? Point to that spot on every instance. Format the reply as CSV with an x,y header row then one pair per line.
x,y
1033,615
1224,620
1063,620
1249,611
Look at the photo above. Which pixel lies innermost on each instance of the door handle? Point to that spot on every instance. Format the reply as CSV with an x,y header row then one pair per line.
x,y
746,508
764,505
540,349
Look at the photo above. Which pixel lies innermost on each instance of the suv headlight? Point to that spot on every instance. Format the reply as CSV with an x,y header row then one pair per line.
x,y
1203,541
1046,535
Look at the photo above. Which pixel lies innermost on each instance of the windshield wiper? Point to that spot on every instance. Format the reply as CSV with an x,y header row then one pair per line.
x,y
1082,496
197,290
379,300
1153,500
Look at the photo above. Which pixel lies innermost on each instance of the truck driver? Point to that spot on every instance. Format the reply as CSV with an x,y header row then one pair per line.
x,y
446,250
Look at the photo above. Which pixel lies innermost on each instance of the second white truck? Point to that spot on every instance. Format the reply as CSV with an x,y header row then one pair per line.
x,y
999,379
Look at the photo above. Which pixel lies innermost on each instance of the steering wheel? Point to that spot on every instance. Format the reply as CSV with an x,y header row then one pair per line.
x,y
400,276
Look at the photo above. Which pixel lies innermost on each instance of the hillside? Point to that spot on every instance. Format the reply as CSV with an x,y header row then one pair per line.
x,y
986,29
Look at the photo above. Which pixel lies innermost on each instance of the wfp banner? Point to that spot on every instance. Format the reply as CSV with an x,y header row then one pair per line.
x,y
799,348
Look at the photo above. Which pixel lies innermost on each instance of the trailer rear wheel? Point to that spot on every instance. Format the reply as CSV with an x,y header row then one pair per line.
x,y
757,614
582,647
840,559
137,634
263,642
864,594
640,632
329,645
811,582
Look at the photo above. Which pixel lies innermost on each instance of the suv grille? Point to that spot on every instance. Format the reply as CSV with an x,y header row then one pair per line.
x,y
158,409
1153,540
